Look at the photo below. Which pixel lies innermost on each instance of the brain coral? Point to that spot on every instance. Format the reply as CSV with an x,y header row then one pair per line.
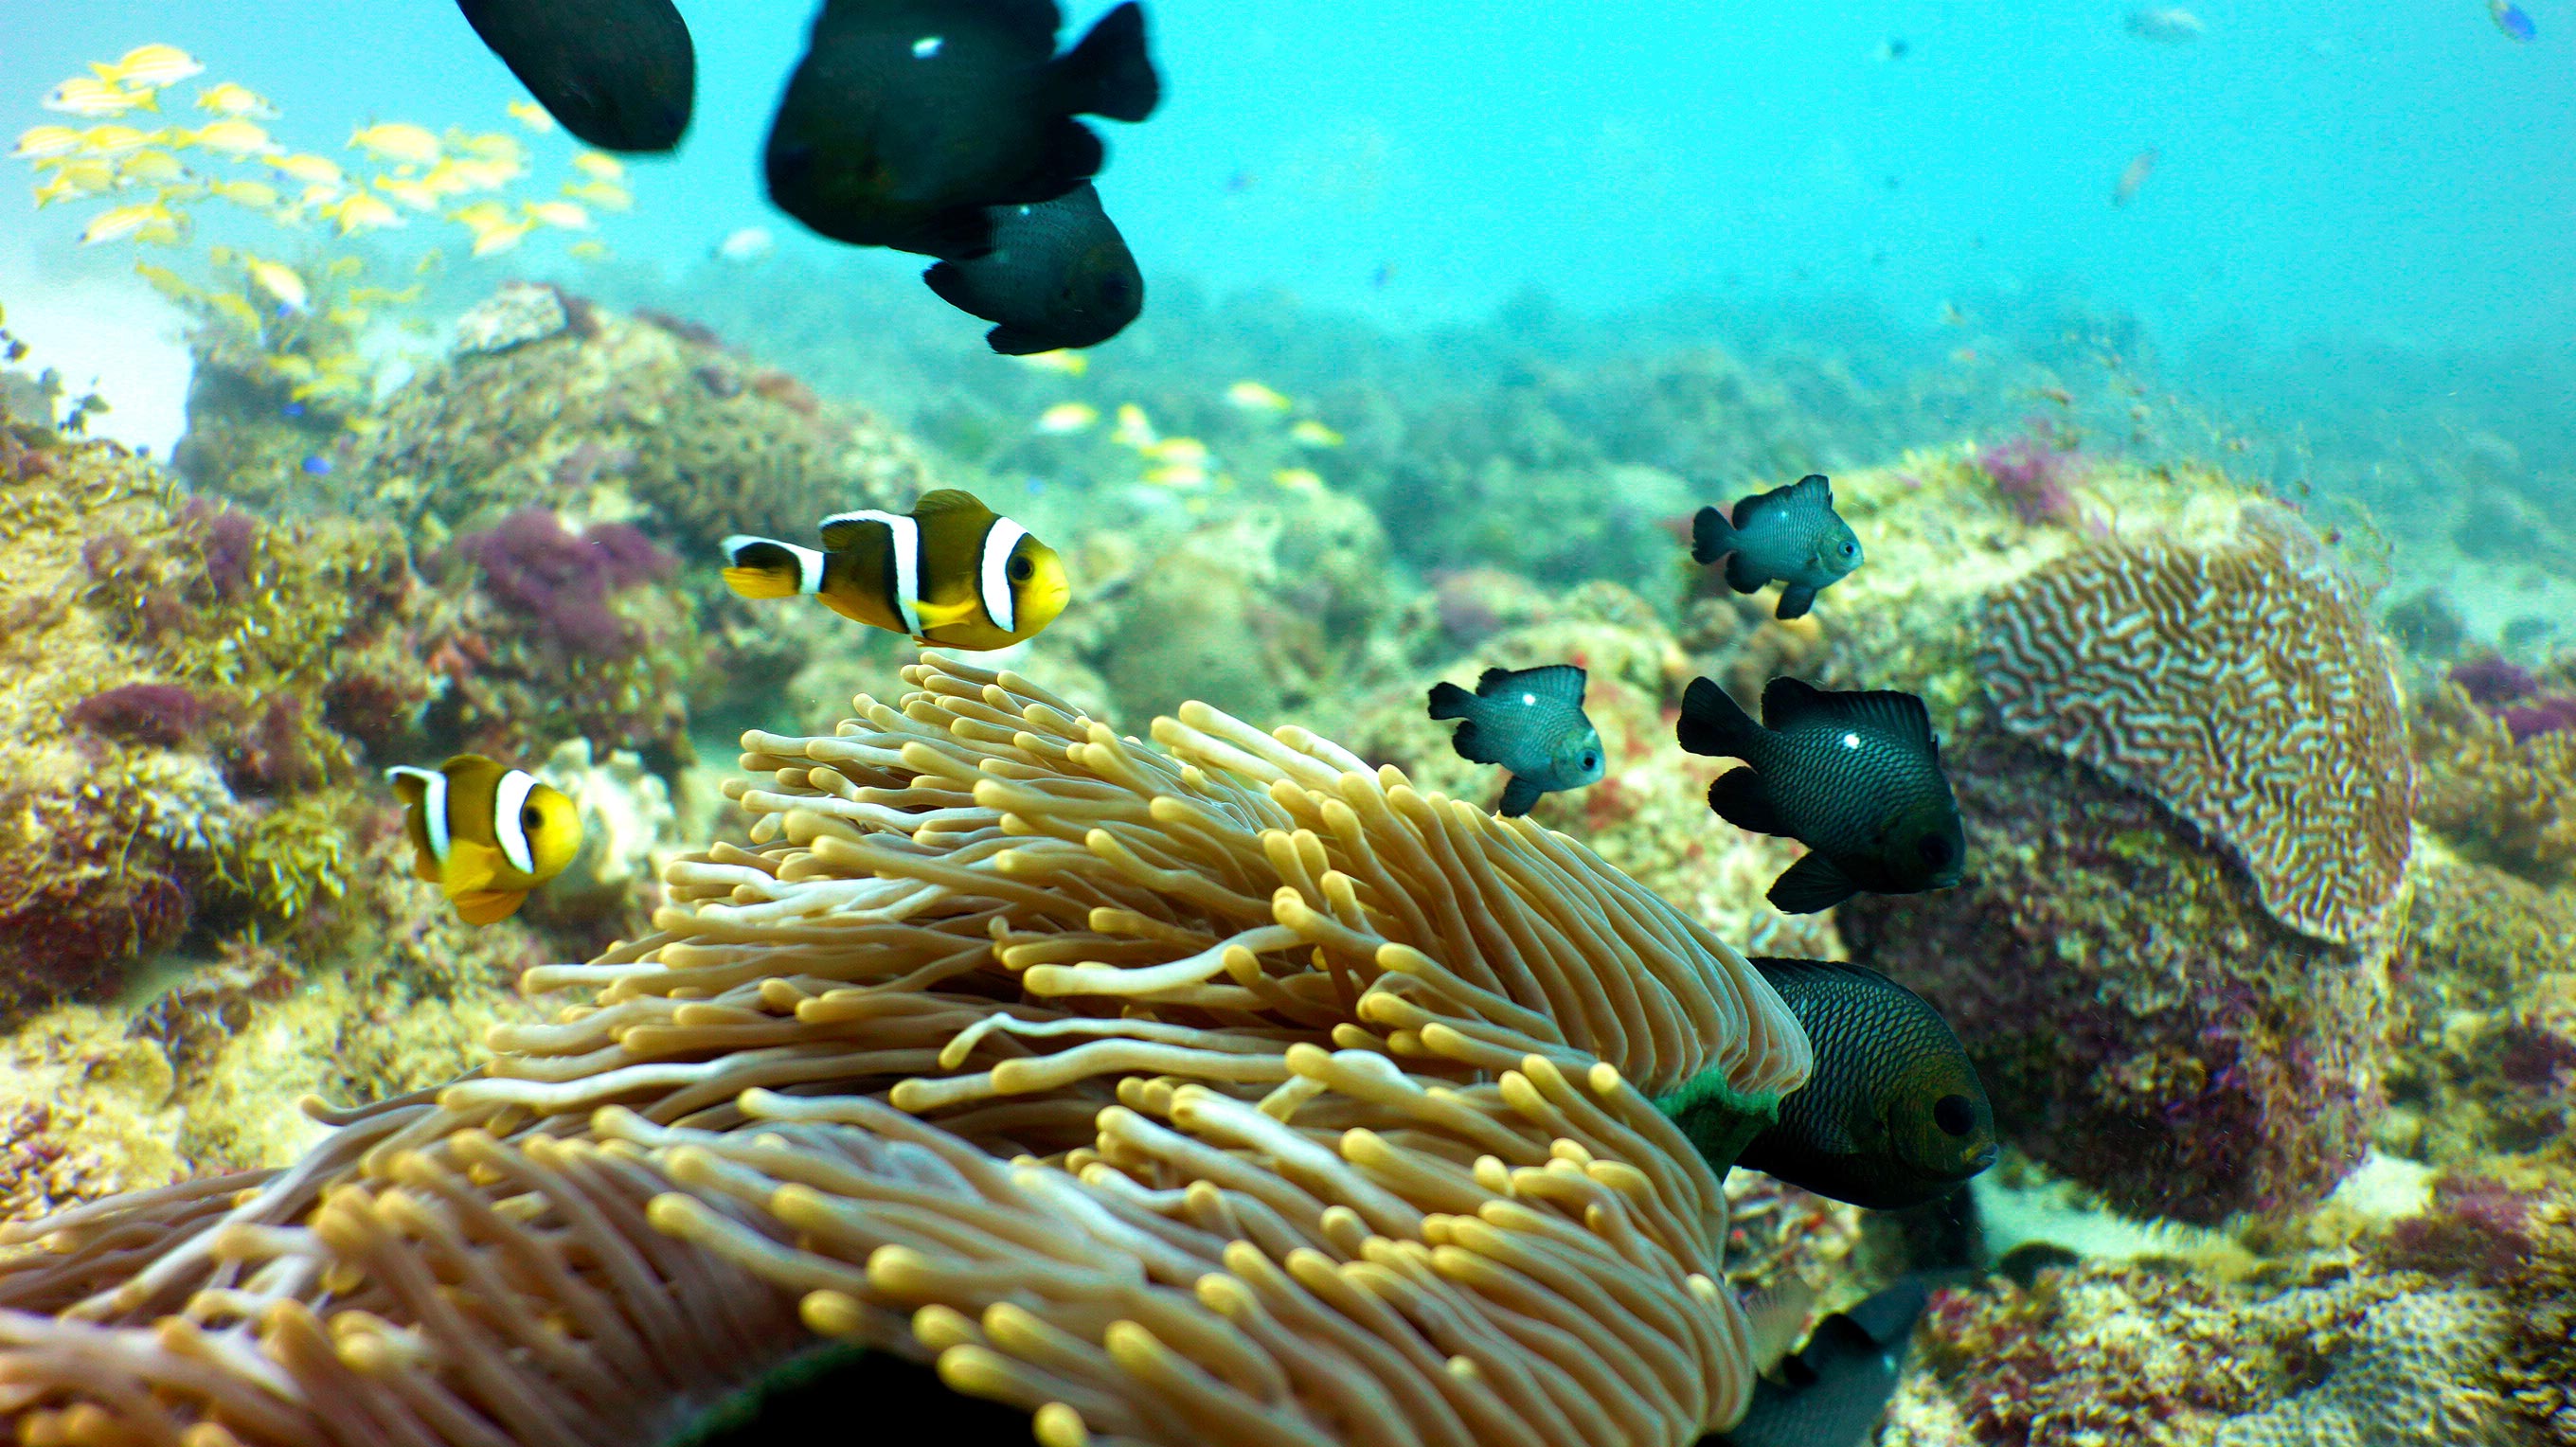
x,y
1212,1088
2243,687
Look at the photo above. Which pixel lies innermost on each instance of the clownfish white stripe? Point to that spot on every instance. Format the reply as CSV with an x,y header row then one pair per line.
x,y
904,541
809,563
433,805
999,539
507,801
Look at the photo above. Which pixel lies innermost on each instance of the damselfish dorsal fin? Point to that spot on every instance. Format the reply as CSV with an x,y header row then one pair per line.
x,y
1898,715
1812,490
1559,682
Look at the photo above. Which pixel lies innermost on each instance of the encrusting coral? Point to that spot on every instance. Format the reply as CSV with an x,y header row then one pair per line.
x,y
1210,1086
2505,800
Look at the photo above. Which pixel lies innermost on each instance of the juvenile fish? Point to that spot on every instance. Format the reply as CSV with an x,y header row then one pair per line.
x,y
1856,777
1531,722
620,74
484,833
1790,534
1059,275
1894,1114
952,572
1834,1389
908,119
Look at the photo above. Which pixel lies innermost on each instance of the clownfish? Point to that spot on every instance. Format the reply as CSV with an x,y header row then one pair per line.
x,y
954,573
485,834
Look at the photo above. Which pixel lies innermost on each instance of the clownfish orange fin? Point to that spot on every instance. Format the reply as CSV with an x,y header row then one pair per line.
x,y
940,615
489,906
470,868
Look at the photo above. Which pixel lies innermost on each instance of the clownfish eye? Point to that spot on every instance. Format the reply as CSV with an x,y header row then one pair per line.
x,y
1954,1115
1021,569
529,818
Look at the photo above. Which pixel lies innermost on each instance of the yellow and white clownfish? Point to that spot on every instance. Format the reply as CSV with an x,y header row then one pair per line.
x,y
486,834
953,573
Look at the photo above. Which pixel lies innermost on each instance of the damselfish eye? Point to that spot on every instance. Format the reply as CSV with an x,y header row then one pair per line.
x,y
1591,761
530,818
1022,570
1849,550
1954,1115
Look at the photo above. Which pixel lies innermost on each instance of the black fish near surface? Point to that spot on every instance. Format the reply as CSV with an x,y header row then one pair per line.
x,y
1833,1390
1894,1114
1059,275
1855,776
620,74
907,120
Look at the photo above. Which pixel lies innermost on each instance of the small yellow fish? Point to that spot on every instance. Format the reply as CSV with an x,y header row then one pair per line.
x,y
1071,363
150,166
343,266
587,251
125,221
1133,430
256,195
233,309
362,211
1184,476
598,167
115,140
491,240
231,136
399,141
229,99
1311,433
952,572
431,260
1066,417
310,169
292,367
1255,397
562,215
1298,479
488,145
484,834
167,282
420,194
280,281
39,142
606,195
1178,452
85,95
532,115
75,177
476,173
150,67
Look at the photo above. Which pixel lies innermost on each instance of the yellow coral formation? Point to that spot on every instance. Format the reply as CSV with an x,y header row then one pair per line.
x,y
1317,1105
2509,804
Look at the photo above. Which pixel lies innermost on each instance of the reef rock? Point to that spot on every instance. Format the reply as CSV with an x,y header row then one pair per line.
x,y
628,828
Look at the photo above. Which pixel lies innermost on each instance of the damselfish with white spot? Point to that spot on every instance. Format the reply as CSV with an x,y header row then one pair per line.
x,y
1855,776
952,572
1531,722
1790,534
1833,1390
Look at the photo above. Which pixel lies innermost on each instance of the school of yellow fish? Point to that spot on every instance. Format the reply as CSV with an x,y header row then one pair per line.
x,y
1184,464
229,156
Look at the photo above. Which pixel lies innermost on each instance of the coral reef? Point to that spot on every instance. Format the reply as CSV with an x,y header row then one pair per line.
x,y
2245,688
2485,1046
628,830
2495,794
1366,1151
624,420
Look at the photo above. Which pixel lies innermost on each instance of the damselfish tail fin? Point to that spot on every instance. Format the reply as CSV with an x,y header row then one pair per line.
x,y
1715,724
1109,73
767,568
1712,536
1448,700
